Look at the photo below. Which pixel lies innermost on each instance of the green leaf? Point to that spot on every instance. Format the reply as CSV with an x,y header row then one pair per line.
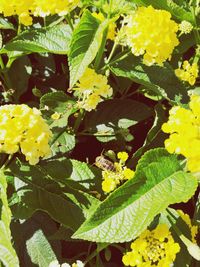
x,y
86,40
112,116
161,80
41,191
176,10
57,102
158,183
53,40
40,250
7,254
5,25
63,143
19,77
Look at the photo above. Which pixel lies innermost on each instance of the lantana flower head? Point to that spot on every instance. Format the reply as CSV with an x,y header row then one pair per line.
x,y
151,33
183,126
152,248
113,178
188,73
23,128
91,89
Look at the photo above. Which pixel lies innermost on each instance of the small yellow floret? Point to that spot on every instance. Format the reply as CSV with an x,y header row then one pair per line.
x,y
91,89
152,33
31,134
128,173
185,27
123,156
56,116
188,73
152,248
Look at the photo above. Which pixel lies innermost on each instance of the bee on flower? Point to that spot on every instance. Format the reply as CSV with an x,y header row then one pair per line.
x,y
114,173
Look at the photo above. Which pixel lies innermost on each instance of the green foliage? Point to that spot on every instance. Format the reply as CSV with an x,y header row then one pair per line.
x,y
160,80
86,40
128,211
53,39
7,254
40,250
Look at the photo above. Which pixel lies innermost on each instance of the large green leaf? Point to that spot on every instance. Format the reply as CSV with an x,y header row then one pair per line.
x,y
7,254
112,116
86,40
161,80
40,250
158,182
37,189
53,40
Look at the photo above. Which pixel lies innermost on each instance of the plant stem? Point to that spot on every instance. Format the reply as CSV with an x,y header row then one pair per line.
x,y
78,120
112,52
101,50
68,18
100,247
9,159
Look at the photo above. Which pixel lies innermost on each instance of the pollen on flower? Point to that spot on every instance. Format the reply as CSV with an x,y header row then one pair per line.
x,y
26,8
91,89
188,73
31,134
111,28
183,126
151,33
152,248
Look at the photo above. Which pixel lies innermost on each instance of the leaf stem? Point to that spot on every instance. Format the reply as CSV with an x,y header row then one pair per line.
x,y
101,50
78,120
7,162
68,18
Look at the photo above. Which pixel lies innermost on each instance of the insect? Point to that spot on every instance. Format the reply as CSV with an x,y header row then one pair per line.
x,y
104,164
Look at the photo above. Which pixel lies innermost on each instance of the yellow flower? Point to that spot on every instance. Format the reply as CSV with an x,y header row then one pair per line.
x,y
128,173
184,128
185,27
188,73
152,248
122,156
108,184
56,116
112,26
31,133
91,89
152,33
111,179
25,8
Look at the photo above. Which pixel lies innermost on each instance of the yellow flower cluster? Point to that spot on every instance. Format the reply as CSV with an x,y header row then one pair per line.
x,y
25,9
112,26
22,127
193,228
185,27
188,73
151,33
91,89
111,179
152,248
184,128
